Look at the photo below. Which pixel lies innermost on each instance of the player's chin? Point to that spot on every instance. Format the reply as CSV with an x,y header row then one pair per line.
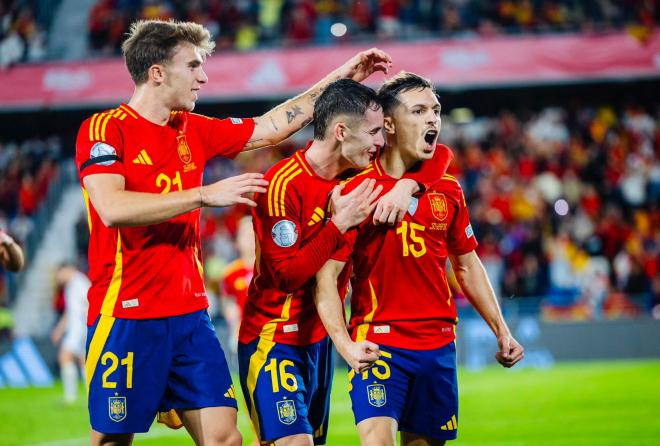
x,y
425,153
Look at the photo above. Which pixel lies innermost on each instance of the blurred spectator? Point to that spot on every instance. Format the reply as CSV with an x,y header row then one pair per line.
x,y
22,39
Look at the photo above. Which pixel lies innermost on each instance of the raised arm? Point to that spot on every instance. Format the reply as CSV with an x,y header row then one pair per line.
x,y
119,207
474,282
358,355
284,120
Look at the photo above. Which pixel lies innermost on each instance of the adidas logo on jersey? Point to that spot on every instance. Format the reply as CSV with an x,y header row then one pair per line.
x,y
143,158
316,217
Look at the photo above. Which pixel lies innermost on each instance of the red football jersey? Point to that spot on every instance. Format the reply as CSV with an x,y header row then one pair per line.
x,y
236,280
289,218
140,272
400,293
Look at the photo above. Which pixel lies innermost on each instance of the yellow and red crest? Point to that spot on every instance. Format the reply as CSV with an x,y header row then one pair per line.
x,y
438,205
184,151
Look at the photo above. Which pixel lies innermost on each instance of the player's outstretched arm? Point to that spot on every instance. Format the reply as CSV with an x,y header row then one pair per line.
x,y
119,207
11,255
284,120
358,355
472,277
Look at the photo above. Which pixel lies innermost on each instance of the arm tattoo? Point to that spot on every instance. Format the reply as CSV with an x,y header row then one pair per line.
x,y
274,125
290,115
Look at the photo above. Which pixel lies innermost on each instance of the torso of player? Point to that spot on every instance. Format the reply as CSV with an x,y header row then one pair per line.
x,y
294,209
400,293
140,272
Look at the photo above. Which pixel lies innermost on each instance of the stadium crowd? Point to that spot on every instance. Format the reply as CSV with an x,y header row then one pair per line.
x,y
564,204
247,24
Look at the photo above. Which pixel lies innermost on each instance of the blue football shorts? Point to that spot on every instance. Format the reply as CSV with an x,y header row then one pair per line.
x,y
287,388
418,388
138,367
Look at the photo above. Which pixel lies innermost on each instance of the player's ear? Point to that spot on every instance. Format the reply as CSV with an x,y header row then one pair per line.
x,y
339,131
157,73
388,125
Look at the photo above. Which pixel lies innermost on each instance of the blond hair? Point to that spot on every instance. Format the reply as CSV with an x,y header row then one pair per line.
x,y
152,42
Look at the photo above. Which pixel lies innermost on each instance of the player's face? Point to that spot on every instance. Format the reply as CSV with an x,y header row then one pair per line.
x,y
417,123
184,77
364,138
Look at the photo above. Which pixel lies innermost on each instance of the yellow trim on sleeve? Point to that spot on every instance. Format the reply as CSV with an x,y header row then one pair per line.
x,y
284,184
278,185
271,186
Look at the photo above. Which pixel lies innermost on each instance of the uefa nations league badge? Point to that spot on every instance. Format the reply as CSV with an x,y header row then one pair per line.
x,y
284,233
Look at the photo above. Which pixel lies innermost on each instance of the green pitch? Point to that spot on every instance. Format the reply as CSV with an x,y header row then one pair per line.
x,y
600,403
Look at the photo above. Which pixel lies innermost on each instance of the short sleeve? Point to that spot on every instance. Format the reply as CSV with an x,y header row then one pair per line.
x,y
461,239
99,146
223,137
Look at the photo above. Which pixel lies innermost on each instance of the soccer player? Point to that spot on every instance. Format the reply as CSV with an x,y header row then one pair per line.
x,y
285,359
11,254
71,329
151,346
401,306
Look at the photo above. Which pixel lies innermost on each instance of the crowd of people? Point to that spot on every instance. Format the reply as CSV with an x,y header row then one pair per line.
x,y
244,25
22,37
27,168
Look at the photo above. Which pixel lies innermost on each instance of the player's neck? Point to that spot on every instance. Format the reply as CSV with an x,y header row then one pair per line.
x,y
394,162
149,106
324,159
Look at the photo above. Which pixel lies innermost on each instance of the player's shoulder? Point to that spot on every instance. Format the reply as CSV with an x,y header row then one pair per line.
x,y
100,125
449,185
372,171
288,170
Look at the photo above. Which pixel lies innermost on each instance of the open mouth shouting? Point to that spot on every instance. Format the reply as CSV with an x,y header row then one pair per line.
x,y
430,137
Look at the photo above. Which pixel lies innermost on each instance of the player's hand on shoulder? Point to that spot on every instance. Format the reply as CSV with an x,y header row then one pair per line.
x,y
364,64
393,205
360,356
510,353
354,207
233,190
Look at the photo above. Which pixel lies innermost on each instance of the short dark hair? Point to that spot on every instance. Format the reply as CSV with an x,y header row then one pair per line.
x,y
404,81
342,97
152,42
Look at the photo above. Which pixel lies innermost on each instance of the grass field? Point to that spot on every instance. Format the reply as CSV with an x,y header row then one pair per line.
x,y
600,403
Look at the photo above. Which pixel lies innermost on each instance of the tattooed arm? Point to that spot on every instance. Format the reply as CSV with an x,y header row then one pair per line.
x,y
286,119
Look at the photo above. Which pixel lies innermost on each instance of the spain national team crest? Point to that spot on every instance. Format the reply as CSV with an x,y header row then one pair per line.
x,y
438,205
377,396
117,408
185,155
286,411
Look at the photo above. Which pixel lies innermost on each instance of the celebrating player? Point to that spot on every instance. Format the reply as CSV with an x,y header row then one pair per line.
x,y
285,357
401,304
151,346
